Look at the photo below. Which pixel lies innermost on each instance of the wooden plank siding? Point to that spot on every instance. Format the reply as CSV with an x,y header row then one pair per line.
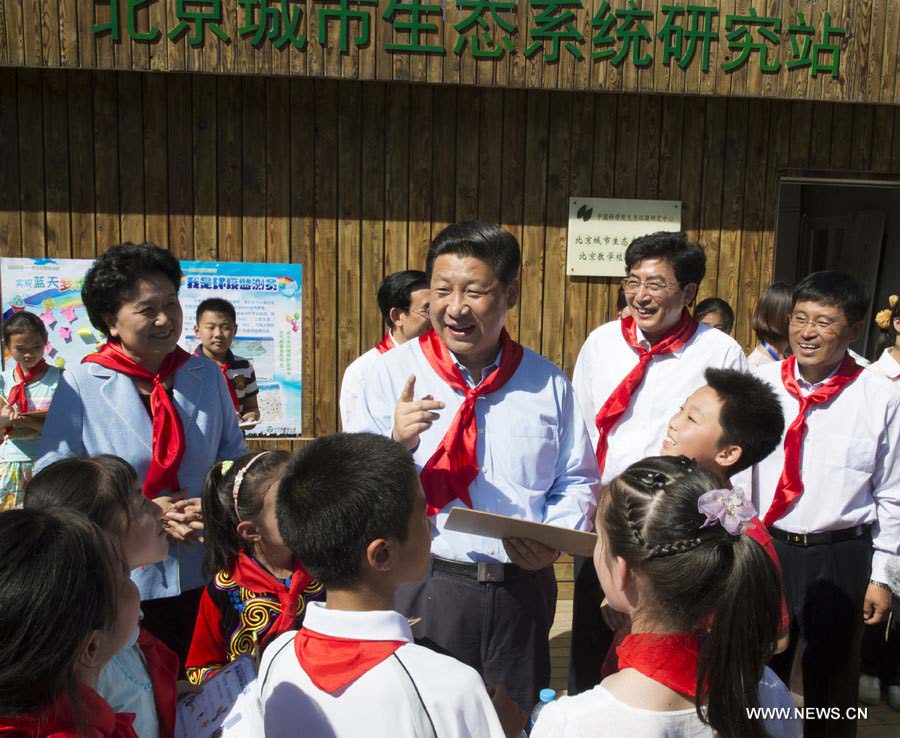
x,y
58,33
352,179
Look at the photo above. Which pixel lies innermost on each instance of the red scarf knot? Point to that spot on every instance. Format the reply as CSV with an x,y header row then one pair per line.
x,y
790,484
23,378
453,466
619,401
332,663
250,575
670,659
168,442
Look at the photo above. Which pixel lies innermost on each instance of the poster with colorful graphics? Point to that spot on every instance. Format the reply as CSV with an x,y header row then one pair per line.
x,y
51,289
267,299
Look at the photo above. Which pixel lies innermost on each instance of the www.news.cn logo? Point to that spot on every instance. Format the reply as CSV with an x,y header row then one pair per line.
x,y
807,713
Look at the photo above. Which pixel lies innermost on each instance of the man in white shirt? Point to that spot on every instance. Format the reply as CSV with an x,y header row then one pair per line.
x,y
630,377
351,507
831,492
403,301
498,429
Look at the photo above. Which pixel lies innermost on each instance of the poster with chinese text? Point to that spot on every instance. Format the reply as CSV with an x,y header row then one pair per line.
x,y
268,301
51,289
600,230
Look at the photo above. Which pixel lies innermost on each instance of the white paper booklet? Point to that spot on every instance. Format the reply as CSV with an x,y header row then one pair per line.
x,y
228,706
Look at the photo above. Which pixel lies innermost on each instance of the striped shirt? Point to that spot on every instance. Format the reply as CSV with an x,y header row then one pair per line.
x,y
240,374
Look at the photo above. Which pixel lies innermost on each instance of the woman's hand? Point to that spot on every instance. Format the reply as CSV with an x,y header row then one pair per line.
x,y
184,520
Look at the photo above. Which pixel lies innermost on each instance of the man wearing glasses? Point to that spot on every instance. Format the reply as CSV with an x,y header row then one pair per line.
x,y
631,376
830,493
403,301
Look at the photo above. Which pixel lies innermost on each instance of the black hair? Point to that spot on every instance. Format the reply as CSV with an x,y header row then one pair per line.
x,y
751,416
340,493
114,278
835,289
686,257
396,291
220,519
889,335
59,580
712,305
621,300
487,242
216,305
22,323
772,313
723,588
102,488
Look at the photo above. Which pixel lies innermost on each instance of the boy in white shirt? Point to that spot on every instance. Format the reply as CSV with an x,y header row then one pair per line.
x,y
352,508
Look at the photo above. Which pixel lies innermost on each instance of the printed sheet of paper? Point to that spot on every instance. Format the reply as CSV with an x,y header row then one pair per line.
x,y
226,708
492,525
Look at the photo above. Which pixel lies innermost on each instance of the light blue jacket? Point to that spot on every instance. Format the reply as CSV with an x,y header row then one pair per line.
x,y
98,411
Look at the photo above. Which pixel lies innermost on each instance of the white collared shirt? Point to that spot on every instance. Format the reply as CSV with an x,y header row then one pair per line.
x,y
351,385
606,359
849,463
533,450
887,366
375,705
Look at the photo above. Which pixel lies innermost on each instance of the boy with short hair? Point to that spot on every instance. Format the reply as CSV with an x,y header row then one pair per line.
x,y
831,492
216,328
351,507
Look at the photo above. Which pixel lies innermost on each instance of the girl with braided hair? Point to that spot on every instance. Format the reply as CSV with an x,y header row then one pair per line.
x,y
672,552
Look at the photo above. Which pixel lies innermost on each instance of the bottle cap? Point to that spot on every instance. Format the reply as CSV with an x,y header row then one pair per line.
x,y
547,695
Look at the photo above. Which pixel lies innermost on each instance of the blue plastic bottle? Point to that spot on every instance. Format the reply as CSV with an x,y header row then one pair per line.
x,y
546,696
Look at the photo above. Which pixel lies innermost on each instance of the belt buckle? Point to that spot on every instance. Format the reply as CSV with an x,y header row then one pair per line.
x,y
798,539
490,571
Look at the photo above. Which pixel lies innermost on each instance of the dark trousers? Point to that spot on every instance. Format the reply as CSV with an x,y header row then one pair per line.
x,y
825,588
172,619
591,638
500,629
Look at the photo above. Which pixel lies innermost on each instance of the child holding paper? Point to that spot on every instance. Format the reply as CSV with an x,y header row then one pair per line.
x,y
26,388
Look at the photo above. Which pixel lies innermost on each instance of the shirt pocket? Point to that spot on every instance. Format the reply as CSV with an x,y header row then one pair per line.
x,y
528,456
849,454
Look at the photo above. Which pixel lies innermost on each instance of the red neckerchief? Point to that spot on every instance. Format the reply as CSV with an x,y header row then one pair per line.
x,y
790,485
168,441
250,575
670,659
223,367
385,344
17,396
618,402
162,666
332,663
58,721
447,475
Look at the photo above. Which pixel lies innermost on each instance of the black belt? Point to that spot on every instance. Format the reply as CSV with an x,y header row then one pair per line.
x,y
483,571
819,539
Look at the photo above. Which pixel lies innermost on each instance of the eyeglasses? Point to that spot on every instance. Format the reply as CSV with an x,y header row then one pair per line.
x,y
822,324
653,286
422,312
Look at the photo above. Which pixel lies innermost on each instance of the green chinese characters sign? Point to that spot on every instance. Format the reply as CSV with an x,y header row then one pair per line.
x,y
600,230
675,33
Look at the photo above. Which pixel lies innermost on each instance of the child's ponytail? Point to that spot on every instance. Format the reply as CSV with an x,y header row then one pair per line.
x,y
251,476
740,639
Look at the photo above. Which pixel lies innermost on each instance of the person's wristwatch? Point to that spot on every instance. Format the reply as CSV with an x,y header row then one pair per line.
x,y
880,585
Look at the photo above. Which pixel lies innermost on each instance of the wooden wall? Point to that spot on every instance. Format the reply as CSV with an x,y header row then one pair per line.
x,y
57,33
352,180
